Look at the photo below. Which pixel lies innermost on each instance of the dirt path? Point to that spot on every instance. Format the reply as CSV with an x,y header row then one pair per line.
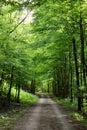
x,y
46,115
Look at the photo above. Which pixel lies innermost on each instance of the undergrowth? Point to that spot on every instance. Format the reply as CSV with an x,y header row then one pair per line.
x,y
11,114
73,110
25,97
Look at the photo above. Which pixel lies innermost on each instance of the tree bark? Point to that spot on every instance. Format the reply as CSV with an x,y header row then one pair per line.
x,y
33,86
82,50
18,94
70,74
2,79
11,81
77,74
48,87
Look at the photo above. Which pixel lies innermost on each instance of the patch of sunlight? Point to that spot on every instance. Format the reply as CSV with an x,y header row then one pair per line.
x,y
78,116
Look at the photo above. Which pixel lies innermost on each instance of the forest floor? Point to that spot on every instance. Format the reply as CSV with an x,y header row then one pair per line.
x,y
47,115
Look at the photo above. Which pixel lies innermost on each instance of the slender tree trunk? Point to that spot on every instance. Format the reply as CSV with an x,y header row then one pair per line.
x,y
53,87
77,74
54,84
71,87
18,95
81,76
70,74
48,87
16,92
33,86
58,86
11,81
82,49
65,79
1,81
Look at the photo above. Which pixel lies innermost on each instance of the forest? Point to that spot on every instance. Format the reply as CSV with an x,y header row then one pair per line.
x,y
43,49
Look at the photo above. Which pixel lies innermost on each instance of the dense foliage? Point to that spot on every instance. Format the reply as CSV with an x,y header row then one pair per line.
x,y
47,54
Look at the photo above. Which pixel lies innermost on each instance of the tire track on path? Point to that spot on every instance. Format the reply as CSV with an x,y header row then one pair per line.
x,y
46,115
30,120
52,118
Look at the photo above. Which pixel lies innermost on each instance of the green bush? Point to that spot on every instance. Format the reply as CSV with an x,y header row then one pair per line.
x,y
25,97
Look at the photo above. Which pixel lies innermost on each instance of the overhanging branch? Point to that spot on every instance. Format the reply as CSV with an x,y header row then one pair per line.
x,y
19,23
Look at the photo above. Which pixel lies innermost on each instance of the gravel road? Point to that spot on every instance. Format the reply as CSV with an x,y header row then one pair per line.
x,y
46,115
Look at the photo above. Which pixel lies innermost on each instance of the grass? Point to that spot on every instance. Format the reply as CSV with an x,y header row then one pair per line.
x,y
9,116
66,102
73,110
79,117
25,97
8,119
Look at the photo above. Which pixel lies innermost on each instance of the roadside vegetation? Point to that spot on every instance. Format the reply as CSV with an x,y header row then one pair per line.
x,y
10,117
11,113
43,48
81,117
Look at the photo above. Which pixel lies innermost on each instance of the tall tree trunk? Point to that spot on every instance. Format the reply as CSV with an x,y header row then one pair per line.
x,y
16,87
18,94
54,84
2,79
77,74
11,81
71,86
65,79
33,86
82,49
70,74
48,87
53,87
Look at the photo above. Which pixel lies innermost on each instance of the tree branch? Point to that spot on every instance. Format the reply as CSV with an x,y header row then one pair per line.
x,y
19,23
